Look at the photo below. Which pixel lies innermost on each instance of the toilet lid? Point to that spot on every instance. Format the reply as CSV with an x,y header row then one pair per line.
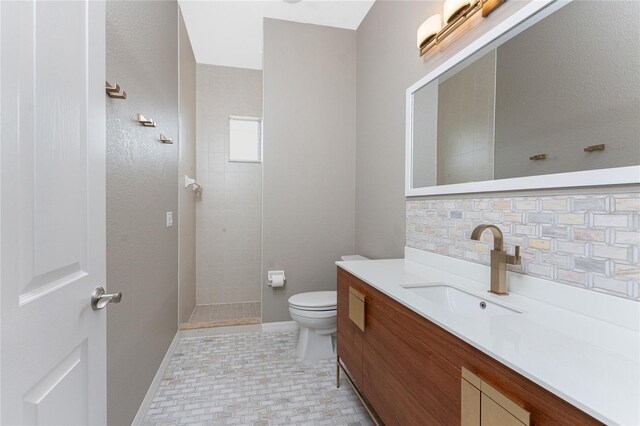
x,y
314,301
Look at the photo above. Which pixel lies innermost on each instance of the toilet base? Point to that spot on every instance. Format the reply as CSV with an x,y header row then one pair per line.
x,y
313,346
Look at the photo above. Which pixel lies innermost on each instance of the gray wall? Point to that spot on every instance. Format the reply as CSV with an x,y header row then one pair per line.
x,y
142,253
187,165
387,64
229,214
309,116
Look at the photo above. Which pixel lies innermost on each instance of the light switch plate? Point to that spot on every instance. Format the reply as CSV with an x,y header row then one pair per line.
x,y
169,219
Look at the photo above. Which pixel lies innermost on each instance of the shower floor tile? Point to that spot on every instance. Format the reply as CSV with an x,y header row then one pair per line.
x,y
223,314
251,379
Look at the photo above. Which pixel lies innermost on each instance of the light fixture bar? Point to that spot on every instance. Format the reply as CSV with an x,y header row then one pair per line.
x,y
487,6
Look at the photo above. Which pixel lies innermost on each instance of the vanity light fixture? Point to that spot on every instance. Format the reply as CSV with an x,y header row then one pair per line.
x,y
456,12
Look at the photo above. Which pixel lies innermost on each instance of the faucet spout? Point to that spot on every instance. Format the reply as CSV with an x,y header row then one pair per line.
x,y
499,258
498,239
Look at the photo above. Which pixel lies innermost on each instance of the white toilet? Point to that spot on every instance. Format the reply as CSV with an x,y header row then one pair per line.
x,y
316,314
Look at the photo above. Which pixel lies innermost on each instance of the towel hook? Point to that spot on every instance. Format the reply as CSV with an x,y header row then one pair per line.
x,y
593,148
146,122
115,91
538,157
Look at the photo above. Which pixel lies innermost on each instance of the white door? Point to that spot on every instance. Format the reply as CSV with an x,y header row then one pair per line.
x,y
52,212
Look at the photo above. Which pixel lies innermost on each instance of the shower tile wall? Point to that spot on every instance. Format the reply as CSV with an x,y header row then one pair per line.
x,y
229,214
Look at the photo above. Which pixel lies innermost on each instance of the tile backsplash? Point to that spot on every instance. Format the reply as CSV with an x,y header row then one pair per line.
x,y
585,240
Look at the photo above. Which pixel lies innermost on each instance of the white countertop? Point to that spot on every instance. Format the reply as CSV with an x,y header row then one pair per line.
x,y
580,345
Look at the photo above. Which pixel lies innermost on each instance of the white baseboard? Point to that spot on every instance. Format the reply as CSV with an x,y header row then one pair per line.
x,y
155,384
275,327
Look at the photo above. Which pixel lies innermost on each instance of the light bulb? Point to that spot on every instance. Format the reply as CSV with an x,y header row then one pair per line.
x,y
429,29
453,9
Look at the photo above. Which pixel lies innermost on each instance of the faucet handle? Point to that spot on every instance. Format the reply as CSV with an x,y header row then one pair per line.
x,y
515,259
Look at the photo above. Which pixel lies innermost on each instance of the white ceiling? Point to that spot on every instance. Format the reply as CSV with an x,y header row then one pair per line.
x,y
229,33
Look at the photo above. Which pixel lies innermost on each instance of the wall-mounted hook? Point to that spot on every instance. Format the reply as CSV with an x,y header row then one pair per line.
x,y
593,148
146,122
115,91
538,157
165,139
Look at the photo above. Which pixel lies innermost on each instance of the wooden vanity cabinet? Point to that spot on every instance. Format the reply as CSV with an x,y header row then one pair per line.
x,y
351,338
410,369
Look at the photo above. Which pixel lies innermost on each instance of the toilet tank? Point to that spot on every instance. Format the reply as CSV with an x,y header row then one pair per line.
x,y
354,257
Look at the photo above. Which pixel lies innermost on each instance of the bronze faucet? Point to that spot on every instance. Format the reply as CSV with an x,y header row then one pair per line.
x,y
499,258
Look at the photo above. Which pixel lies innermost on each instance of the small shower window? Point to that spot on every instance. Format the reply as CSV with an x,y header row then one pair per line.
x,y
245,139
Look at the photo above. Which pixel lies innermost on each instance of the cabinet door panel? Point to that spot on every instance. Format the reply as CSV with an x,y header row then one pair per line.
x,y
424,374
394,391
389,397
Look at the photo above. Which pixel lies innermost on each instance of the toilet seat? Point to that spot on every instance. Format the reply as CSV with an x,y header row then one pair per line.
x,y
314,301
313,314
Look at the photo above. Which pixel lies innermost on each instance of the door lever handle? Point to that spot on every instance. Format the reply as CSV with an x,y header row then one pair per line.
x,y
100,299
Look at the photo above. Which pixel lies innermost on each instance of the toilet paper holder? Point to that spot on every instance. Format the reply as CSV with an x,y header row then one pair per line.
x,y
277,276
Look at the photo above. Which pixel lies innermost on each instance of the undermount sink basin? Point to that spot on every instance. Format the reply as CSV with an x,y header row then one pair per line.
x,y
458,301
